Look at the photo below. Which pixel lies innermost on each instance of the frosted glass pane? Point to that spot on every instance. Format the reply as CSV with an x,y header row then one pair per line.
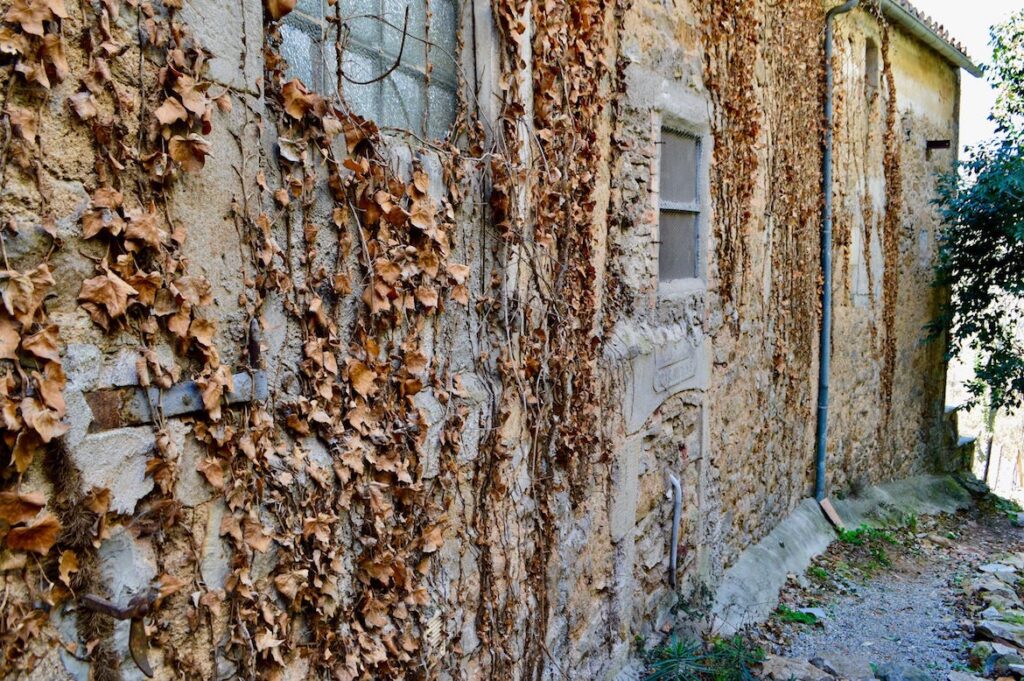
x,y
679,155
297,49
414,52
363,30
677,253
442,111
311,7
444,23
403,101
362,98
329,64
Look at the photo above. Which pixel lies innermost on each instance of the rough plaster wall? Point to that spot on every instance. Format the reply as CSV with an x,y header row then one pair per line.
x,y
749,434
740,442
926,105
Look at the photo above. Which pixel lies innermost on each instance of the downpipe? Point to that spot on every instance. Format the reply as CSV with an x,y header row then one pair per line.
x,y
677,512
825,344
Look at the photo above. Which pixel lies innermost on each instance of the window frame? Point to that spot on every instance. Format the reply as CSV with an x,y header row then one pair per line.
x,y
697,207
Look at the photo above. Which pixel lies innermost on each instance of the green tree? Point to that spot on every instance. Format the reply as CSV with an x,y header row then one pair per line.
x,y
981,256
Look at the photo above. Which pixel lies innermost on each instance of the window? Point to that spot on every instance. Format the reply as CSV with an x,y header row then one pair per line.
x,y
679,207
419,94
871,67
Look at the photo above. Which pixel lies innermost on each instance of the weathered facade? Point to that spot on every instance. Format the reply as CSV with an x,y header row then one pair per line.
x,y
460,289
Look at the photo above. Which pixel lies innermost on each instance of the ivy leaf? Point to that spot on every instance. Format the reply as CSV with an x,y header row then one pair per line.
x,y
44,343
10,338
362,377
17,508
213,472
142,226
170,112
84,105
279,8
105,297
30,15
36,538
192,95
43,420
68,565
189,151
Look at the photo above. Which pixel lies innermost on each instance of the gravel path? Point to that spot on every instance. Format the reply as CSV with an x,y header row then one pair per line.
x,y
910,613
906,616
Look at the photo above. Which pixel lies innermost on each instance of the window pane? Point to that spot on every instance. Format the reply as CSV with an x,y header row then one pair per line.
x,y
679,160
404,97
415,50
444,24
402,105
677,254
442,110
359,17
297,49
362,98
310,7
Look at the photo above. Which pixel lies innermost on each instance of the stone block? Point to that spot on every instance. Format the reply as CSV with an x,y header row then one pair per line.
x,y
116,460
232,32
192,489
216,557
129,567
625,488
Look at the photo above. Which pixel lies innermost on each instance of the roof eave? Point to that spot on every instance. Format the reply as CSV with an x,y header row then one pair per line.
x,y
923,32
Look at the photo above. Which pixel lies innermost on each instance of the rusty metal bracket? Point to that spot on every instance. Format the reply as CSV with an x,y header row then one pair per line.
x,y
130,406
136,610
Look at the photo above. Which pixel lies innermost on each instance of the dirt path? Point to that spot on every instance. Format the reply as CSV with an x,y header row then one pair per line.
x,y
892,598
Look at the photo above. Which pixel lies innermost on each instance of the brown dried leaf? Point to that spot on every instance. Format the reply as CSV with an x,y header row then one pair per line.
x,y
17,508
427,296
212,471
189,151
50,385
298,101
105,297
144,227
43,420
279,8
84,105
36,538
362,377
265,639
170,112
202,330
53,52
433,538
256,536
10,338
68,564
26,447
101,220
44,343
192,95
30,14
24,121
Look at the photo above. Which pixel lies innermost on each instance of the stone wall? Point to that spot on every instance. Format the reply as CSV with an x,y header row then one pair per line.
x,y
427,491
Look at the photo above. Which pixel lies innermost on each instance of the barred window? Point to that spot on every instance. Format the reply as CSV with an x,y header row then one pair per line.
x,y
679,207
398,58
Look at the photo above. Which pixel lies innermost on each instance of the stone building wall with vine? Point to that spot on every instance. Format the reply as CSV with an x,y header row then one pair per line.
x,y
476,387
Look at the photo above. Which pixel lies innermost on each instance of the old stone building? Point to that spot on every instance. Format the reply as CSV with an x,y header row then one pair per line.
x,y
360,339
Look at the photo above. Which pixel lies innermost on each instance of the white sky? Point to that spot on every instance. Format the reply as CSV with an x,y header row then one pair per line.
x,y
968,21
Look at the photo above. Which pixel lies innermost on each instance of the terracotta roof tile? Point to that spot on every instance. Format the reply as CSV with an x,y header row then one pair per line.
x,y
933,26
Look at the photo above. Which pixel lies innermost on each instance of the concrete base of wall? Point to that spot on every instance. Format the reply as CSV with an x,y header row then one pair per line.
x,y
749,591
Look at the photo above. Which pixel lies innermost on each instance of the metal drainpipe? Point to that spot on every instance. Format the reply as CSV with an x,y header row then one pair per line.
x,y
825,345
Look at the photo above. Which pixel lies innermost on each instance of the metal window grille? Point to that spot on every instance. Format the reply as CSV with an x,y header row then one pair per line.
x,y
680,207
